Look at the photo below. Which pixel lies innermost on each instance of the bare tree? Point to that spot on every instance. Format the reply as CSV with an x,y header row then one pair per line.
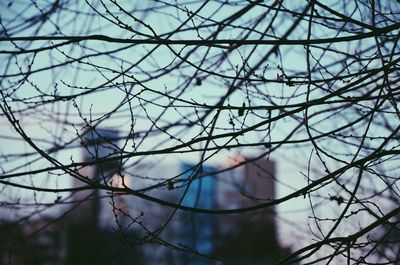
x,y
310,84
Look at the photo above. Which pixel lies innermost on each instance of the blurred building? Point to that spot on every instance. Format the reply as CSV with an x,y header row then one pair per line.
x,y
97,145
194,231
92,237
101,229
243,238
248,237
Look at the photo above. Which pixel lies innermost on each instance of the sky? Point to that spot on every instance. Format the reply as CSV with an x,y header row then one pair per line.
x,y
53,105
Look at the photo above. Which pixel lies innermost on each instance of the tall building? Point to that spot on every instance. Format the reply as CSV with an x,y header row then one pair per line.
x,y
197,231
91,237
243,238
248,237
97,144
247,181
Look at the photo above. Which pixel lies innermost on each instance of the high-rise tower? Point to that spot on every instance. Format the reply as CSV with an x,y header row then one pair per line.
x,y
99,144
86,238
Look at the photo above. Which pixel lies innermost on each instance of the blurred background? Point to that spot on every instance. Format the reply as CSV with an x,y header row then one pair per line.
x,y
199,132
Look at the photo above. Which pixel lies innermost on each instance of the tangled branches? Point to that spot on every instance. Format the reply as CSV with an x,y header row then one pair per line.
x,y
310,84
